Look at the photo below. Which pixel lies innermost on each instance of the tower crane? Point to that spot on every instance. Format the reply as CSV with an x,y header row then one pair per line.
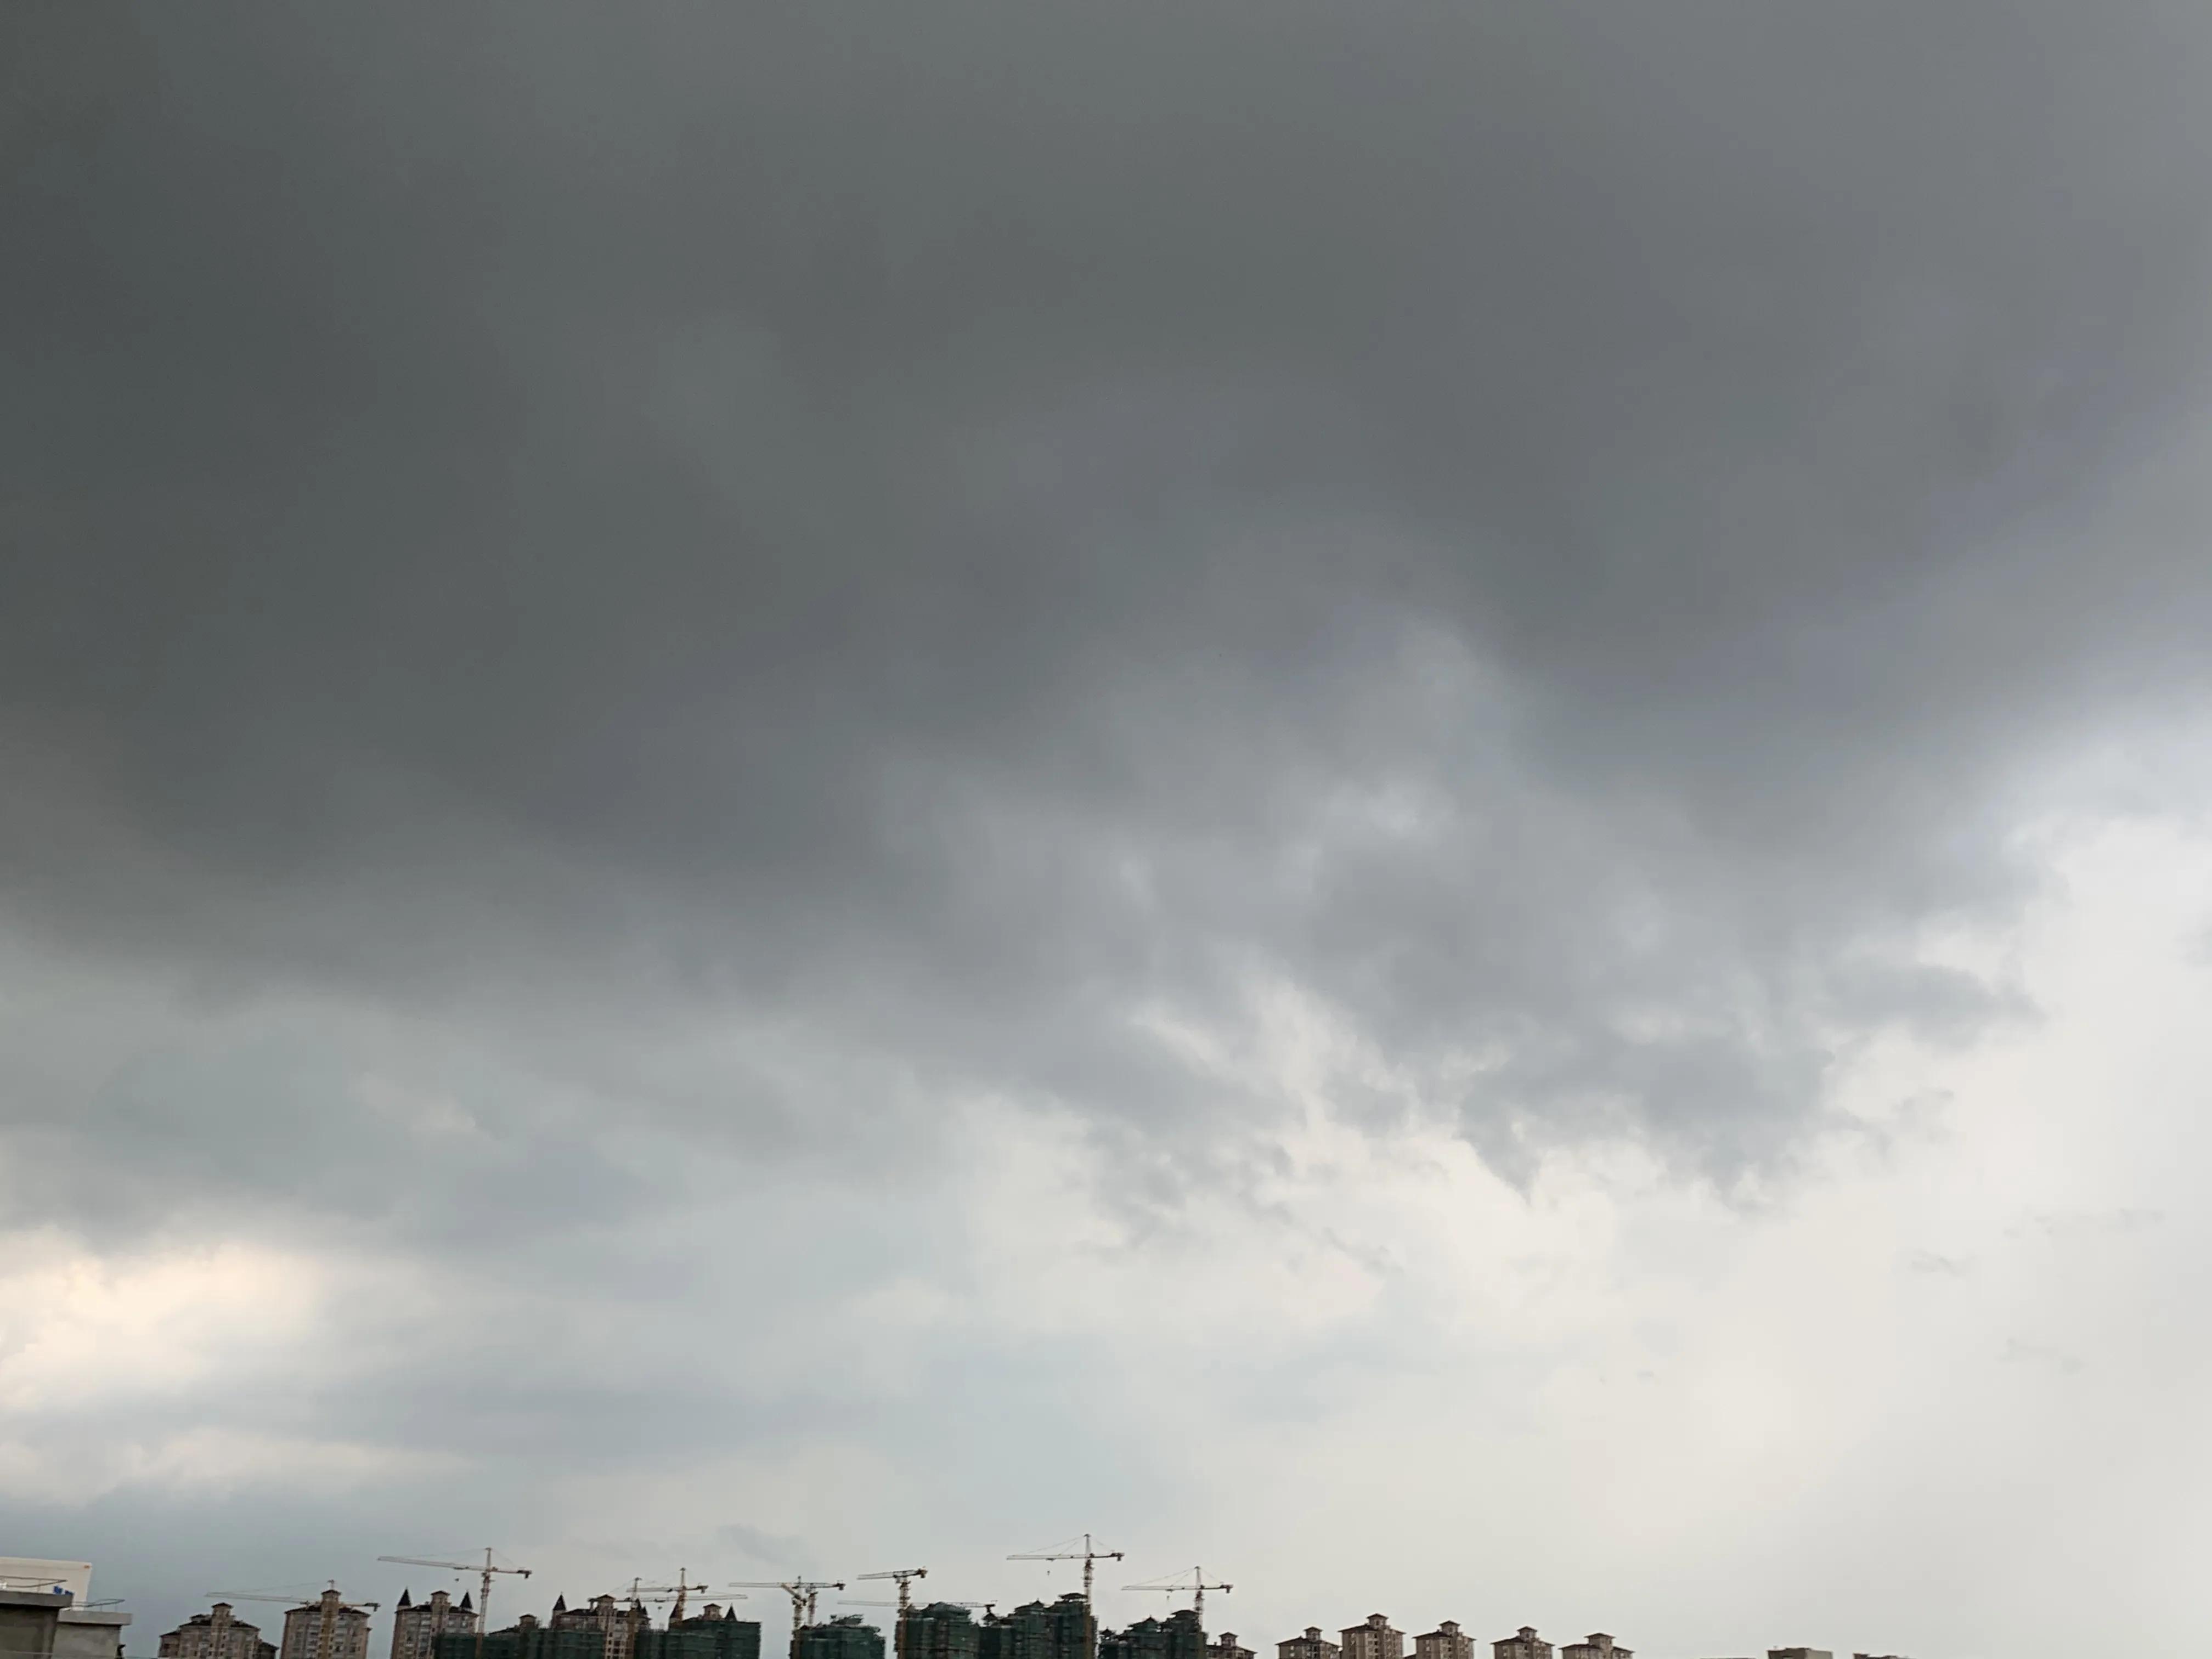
x,y
1087,1555
906,1576
482,1568
803,1593
1197,1586
330,1602
678,1590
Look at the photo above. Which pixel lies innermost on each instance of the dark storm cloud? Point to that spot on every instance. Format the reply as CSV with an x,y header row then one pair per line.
x,y
933,532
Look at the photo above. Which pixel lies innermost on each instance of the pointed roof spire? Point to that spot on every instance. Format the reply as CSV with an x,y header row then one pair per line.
x,y
560,1604
464,1601
406,1600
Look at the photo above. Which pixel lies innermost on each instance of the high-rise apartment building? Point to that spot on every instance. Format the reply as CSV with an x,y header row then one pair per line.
x,y
1226,1648
216,1634
1446,1641
416,1626
618,1626
327,1627
1311,1645
1523,1643
1597,1646
1375,1639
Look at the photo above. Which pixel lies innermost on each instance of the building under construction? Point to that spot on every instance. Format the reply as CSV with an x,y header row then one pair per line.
x,y
845,1637
1041,1630
1176,1637
939,1631
525,1638
716,1633
416,1626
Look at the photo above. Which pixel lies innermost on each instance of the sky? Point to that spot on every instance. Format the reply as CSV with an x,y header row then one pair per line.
x,y
1408,797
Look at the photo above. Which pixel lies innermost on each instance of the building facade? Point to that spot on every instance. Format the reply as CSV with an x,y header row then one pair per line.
x,y
1523,1643
1597,1645
1446,1641
216,1634
325,1628
1311,1645
1226,1648
1374,1638
416,1626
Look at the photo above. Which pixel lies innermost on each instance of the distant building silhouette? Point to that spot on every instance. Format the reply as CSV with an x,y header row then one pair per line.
x,y
1597,1646
1225,1648
1523,1643
1446,1641
1312,1645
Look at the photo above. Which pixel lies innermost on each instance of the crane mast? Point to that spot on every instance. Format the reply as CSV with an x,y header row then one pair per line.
x,y
906,1576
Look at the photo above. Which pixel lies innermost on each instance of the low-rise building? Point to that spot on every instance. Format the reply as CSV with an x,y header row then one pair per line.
x,y
29,1620
90,1634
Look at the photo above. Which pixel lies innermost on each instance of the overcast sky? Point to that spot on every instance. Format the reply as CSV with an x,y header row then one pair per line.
x,y
1411,796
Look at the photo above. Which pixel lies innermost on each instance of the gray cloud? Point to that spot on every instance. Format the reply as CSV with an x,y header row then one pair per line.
x,y
1555,539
